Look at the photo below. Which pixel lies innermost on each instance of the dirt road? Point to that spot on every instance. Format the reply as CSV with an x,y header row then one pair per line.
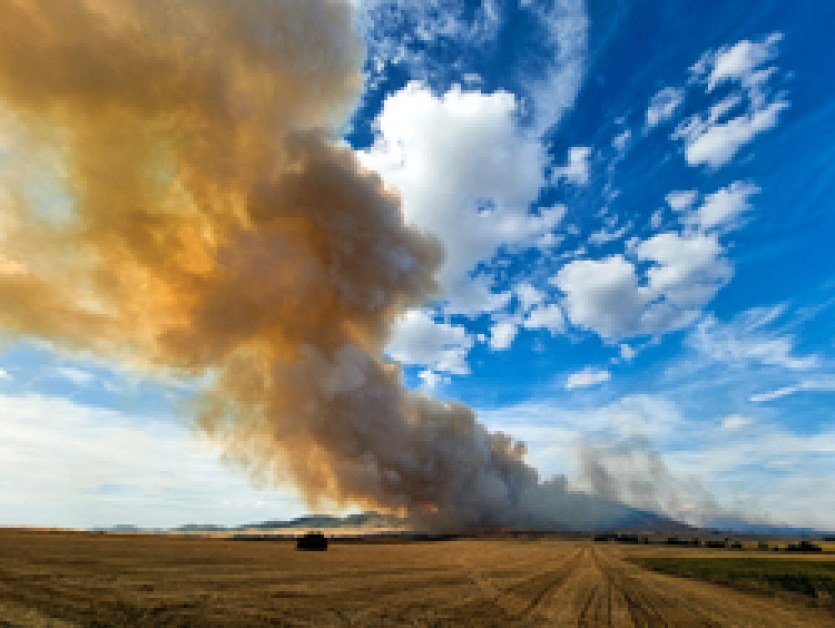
x,y
83,579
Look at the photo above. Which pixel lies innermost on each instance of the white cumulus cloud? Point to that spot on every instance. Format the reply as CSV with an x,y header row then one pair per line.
x,y
687,270
725,205
603,295
467,173
609,297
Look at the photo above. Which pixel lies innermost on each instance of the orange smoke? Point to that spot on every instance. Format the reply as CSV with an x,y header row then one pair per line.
x,y
174,195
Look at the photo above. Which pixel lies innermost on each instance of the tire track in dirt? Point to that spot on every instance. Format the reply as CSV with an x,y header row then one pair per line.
x,y
552,580
651,604
658,600
515,603
597,587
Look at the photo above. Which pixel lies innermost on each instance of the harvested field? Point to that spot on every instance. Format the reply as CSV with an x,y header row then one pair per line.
x,y
77,578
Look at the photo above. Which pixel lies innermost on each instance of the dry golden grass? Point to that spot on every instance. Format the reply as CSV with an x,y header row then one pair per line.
x,y
97,579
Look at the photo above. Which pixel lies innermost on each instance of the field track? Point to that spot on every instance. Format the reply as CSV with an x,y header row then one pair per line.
x,y
60,579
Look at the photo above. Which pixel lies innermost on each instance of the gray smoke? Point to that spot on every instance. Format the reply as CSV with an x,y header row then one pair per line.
x,y
218,227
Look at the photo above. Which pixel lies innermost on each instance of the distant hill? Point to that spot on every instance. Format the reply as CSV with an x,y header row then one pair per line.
x,y
623,519
370,521
743,526
647,522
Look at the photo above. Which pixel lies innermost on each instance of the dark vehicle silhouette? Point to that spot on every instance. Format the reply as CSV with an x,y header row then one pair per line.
x,y
312,541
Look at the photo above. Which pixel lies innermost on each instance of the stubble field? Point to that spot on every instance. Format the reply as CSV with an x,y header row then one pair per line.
x,y
59,578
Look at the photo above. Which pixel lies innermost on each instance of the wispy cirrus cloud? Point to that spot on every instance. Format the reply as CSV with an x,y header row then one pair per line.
x,y
748,339
663,105
811,384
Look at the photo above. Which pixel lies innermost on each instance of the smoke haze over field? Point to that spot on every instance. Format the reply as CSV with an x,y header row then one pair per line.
x,y
195,212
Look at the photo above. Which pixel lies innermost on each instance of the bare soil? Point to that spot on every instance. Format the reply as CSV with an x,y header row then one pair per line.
x,y
65,579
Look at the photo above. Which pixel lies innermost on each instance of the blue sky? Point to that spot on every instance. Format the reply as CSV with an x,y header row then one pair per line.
x,y
636,207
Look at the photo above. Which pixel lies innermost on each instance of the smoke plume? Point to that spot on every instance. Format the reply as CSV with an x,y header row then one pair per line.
x,y
174,196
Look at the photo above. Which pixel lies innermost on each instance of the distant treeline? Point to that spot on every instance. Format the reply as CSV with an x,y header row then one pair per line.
x,y
726,543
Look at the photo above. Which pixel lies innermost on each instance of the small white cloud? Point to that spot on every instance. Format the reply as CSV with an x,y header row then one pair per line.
x,y
736,422
627,352
548,317
656,219
725,205
680,200
418,339
587,377
740,61
502,335
663,105
621,140
431,379
716,144
4,374
578,168
471,79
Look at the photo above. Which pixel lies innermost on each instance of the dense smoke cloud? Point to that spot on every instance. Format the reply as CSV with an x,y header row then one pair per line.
x,y
631,471
175,196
